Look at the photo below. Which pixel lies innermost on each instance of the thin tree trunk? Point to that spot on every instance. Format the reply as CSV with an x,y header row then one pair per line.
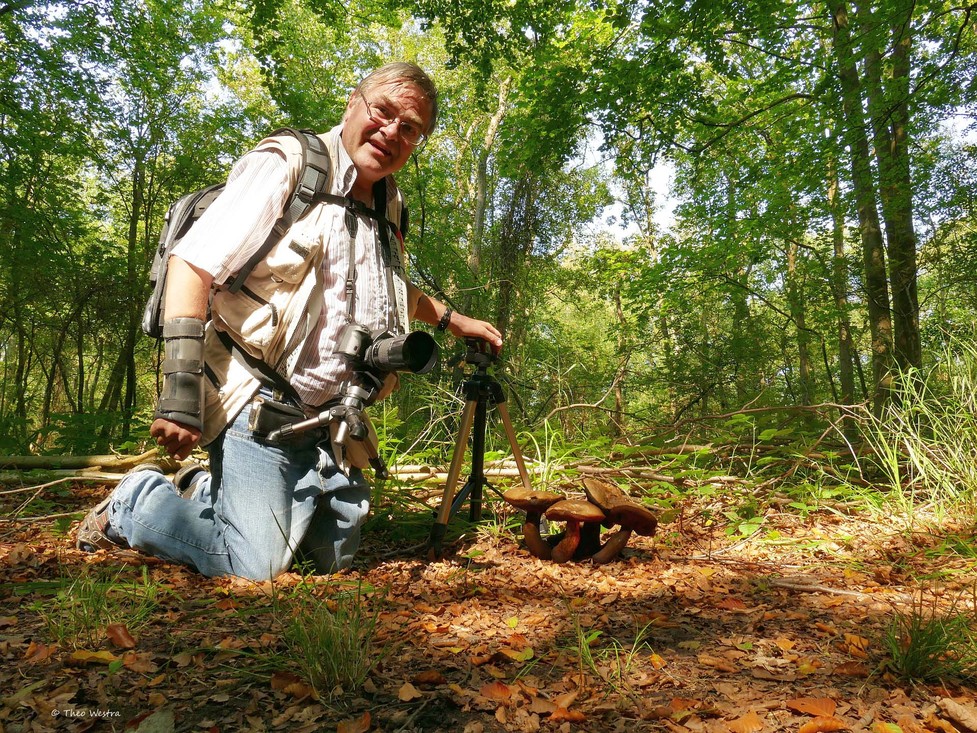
x,y
477,232
795,302
839,289
873,248
889,113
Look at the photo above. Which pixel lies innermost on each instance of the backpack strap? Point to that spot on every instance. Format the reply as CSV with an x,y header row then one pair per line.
x,y
258,369
313,182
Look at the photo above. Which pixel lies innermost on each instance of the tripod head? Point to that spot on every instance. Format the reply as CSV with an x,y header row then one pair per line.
x,y
480,353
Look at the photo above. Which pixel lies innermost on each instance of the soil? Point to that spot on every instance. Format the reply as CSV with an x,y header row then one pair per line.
x,y
707,627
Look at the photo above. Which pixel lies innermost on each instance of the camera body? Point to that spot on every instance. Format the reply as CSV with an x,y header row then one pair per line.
x,y
381,352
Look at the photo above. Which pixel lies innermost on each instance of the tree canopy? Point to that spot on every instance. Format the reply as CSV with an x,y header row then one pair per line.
x,y
822,160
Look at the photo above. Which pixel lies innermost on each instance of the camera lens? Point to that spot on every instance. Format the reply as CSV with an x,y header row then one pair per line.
x,y
415,352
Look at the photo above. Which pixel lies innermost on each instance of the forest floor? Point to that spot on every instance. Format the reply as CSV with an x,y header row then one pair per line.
x,y
700,629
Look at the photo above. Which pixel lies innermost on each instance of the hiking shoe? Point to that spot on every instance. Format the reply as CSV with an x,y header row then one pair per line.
x,y
93,534
187,477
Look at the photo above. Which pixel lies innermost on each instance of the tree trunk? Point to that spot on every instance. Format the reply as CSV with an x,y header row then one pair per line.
x,y
889,112
617,413
477,232
873,248
795,302
839,289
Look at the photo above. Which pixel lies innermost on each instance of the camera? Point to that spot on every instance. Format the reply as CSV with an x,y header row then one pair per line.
x,y
372,356
381,351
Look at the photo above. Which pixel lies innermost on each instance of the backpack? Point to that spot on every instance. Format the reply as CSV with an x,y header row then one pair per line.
x,y
313,181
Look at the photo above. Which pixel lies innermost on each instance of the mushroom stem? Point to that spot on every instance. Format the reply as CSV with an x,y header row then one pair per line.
x,y
612,547
534,542
589,540
565,549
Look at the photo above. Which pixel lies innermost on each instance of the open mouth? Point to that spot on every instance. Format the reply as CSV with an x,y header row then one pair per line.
x,y
383,150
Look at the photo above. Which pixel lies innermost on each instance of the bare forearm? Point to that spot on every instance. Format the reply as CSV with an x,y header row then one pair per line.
x,y
431,311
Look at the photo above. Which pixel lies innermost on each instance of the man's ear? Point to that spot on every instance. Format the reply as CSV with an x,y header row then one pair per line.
x,y
353,98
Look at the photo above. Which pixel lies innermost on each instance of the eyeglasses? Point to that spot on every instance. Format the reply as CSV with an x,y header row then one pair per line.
x,y
409,132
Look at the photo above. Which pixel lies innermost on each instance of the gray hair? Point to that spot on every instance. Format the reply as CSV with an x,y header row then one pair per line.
x,y
403,72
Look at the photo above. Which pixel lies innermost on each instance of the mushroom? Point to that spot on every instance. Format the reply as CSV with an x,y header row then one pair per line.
x,y
621,509
534,503
574,512
632,517
604,494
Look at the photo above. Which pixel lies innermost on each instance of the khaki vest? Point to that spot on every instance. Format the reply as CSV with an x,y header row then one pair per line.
x,y
280,303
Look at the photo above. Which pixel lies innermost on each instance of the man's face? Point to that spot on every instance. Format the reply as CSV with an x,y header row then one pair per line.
x,y
378,150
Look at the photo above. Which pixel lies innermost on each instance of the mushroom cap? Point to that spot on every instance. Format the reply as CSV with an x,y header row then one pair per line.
x,y
574,510
633,516
531,500
603,494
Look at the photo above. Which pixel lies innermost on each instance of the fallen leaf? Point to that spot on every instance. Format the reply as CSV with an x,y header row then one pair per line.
x,y
408,692
852,669
119,635
966,715
823,724
141,663
731,604
496,691
880,726
281,680
565,700
159,721
816,706
429,677
356,725
81,656
562,715
749,723
938,724
541,706
719,663
39,652
522,655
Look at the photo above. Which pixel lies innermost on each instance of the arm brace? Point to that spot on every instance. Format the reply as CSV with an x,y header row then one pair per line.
x,y
182,397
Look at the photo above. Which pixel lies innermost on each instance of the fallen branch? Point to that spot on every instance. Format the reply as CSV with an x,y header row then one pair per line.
x,y
111,461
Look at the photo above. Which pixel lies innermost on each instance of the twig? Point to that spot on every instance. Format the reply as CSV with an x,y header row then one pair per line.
x,y
28,520
413,715
803,587
64,480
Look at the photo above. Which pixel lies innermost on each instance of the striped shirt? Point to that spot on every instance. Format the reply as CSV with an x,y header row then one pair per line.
x,y
239,221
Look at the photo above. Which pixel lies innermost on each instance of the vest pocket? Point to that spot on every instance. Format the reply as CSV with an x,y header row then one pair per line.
x,y
251,320
289,260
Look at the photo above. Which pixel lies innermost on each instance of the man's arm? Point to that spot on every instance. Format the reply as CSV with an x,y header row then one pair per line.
x,y
429,310
187,294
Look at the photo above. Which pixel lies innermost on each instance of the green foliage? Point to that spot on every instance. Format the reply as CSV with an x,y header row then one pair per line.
x,y
923,445
330,641
927,644
84,606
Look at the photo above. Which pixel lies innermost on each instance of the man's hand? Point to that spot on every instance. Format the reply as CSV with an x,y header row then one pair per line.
x,y
177,439
463,326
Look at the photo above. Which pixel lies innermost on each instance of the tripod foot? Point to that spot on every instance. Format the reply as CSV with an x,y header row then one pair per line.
x,y
434,543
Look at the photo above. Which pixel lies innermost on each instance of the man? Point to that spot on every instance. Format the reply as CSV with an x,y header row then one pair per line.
x,y
266,502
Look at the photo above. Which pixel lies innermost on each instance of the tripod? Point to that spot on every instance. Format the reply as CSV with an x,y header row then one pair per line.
x,y
480,390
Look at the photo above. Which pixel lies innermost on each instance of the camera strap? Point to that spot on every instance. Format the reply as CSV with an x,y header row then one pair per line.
x,y
393,262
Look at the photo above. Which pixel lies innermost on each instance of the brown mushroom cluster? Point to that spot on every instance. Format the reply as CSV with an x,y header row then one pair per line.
x,y
605,505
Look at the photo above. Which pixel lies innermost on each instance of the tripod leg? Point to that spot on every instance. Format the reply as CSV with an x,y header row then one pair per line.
x,y
454,472
516,453
478,460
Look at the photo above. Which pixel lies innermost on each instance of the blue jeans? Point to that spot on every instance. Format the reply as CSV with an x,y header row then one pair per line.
x,y
261,505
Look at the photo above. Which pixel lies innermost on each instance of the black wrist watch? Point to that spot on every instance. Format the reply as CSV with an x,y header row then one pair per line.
x,y
445,319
